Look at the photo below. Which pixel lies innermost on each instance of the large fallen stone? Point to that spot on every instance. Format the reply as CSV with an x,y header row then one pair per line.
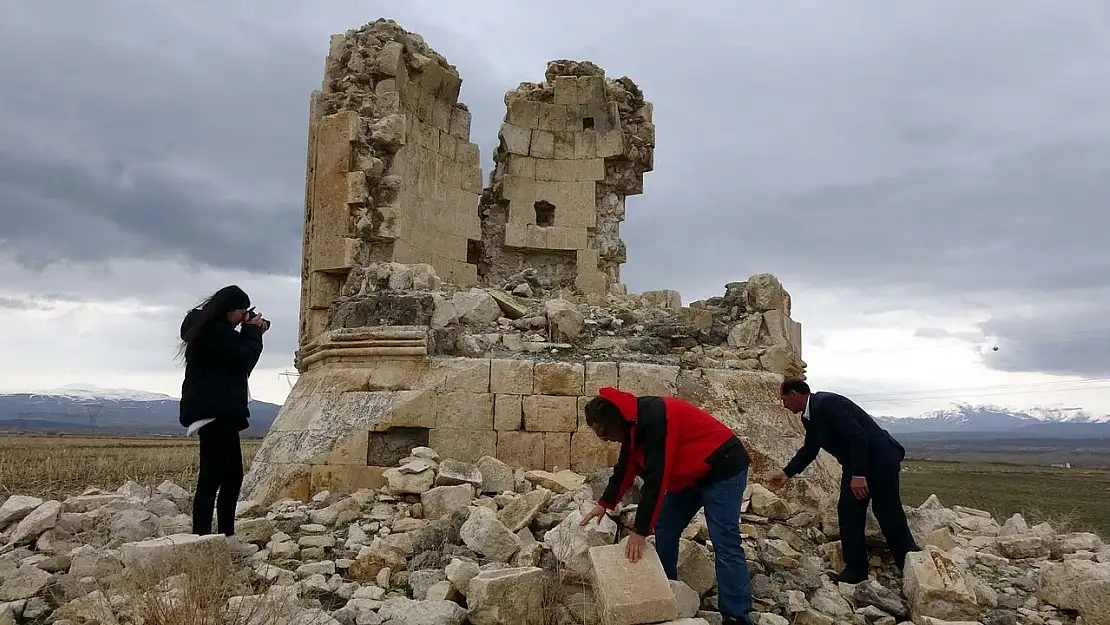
x,y
1023,546
39,520
1092,601
170,551
687,599
24,583
484,533
443,500
631,594
511,596
409,612
409,482
1059,581
520,512
16,507
570,543
767,504
564,481
497,477
454,472
935,586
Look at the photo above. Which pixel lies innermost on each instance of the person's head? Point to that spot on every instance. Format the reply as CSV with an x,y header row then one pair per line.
x,y
794,394
230,304
605,419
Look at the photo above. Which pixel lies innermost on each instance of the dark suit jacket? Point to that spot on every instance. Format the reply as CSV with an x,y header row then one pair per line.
x,y
840,427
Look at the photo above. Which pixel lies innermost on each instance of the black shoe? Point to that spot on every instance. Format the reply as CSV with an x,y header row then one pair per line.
x,y
736,620
848,577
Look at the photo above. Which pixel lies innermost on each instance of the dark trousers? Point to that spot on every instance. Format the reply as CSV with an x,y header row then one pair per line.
x,y
883,494
722,514
219,479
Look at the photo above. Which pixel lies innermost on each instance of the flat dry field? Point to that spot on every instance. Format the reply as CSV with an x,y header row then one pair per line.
x,y
1071,499
65,465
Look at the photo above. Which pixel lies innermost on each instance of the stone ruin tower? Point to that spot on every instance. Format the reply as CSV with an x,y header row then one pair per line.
x,y
571,149
479,321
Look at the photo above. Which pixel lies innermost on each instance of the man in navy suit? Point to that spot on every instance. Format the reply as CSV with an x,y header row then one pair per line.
x,y
870,458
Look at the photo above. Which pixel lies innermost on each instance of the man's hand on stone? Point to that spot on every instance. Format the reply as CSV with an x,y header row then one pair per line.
x,y
777,481
596,513
634,549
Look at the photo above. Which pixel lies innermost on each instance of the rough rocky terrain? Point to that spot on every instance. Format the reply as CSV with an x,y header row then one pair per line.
x,y
449,543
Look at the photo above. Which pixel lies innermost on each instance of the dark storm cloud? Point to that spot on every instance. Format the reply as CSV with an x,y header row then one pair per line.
x,y
925,153
1068,337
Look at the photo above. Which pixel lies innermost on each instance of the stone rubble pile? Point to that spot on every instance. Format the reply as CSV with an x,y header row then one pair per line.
x,y
447,543
746,328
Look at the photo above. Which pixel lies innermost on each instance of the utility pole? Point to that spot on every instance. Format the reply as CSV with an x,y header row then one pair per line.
x,y
93,410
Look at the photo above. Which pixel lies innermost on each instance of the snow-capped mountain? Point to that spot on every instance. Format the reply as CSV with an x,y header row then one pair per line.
x,y
83,409
1042,422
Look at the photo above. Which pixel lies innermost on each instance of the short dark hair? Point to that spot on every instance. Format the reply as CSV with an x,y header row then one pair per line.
x,y
603,412
794,386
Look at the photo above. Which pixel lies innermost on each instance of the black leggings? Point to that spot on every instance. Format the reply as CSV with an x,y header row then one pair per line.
x,y
221,471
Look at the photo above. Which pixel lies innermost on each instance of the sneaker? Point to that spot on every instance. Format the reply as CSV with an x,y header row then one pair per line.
x,y
241,549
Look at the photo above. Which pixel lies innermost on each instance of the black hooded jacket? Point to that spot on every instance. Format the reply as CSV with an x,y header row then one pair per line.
x,y
217,364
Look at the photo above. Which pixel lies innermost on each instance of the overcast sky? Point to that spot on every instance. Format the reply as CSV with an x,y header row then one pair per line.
x,y
929,180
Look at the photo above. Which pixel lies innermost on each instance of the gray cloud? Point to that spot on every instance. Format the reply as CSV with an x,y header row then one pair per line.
x,y
1067,336
941,333
927,154
18,303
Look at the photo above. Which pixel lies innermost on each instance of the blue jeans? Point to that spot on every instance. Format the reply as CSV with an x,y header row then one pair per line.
x,y
722,514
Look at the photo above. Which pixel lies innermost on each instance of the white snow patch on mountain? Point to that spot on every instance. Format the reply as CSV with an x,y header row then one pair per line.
x,y
88,392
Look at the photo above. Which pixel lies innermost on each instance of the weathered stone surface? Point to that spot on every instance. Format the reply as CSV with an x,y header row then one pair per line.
x,y
564,481
497,477
507,597
16,507
520,512
570,543
935,586
170,550
443,500
629,593
486,534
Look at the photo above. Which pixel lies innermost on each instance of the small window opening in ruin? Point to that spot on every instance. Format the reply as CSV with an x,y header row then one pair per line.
x,y
545,214
473,252
587,123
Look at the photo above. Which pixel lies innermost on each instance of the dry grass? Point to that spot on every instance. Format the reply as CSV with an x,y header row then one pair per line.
x,y
58,466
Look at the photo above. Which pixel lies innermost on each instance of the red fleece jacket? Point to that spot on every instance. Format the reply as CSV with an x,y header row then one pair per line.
x,y
668,446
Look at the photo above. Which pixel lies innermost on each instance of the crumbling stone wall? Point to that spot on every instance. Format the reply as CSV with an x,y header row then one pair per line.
x,y
391,173
343,422
571,149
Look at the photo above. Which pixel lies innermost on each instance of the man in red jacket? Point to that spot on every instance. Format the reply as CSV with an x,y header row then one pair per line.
x,y
688,460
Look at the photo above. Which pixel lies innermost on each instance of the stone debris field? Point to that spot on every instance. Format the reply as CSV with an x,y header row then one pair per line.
x,y
447,542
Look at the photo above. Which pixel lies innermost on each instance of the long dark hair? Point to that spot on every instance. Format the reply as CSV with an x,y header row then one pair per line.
x,y
212,309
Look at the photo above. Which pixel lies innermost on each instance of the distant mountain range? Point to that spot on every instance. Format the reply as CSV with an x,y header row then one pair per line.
x,y
966,420
84,409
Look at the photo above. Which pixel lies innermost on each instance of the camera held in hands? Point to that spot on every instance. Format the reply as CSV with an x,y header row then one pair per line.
x,y
251,315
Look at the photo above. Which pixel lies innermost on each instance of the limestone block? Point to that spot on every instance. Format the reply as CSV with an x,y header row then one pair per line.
x,y
345,478
550,413
465,445
512,376
559,378
518,188
764,292
520,449
349,451
631,594
592,283
566,90
521,166
591,89
515,139
357,190
746,333
552,116
648,379
464,410
461,374
414,409
589,169
1059,581
543,144
610,143
585,147
443,500
508,596
390,61
744,386
507,413
598,376
156,553
935,586
556,451
523,113
484,533
570,543
589,453
460,123
564,145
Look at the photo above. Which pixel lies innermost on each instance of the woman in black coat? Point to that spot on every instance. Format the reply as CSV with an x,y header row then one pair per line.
x,y
214,396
